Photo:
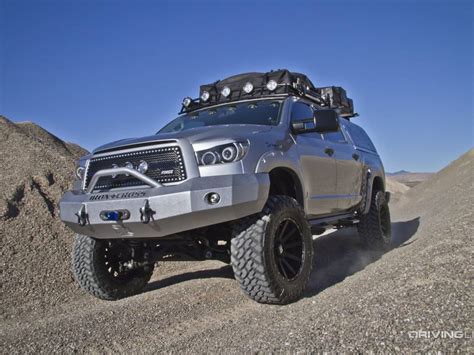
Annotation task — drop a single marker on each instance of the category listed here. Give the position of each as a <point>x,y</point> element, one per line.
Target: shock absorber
<point>140,253</point>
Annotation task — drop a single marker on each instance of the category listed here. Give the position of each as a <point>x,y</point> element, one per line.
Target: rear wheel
<point>375,227</point>
<point>109,269</point>
<point>272,252</point>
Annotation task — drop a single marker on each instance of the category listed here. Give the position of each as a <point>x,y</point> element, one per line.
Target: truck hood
<point>193,135</point>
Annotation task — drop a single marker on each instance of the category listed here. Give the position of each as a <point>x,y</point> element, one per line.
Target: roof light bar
<point>279,82</point>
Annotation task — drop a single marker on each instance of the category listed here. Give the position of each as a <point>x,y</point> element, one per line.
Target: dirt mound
<point>396,189</point>
<point>37,168</point>
<point>408,178</point>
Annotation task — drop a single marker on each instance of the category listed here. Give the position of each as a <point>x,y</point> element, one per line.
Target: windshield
<point>263,112</point>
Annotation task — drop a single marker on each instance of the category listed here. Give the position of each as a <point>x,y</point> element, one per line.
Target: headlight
<point>226,153</point>
<point>80,170</point>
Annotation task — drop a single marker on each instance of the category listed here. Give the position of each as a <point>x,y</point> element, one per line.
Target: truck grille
<point>164,165</point>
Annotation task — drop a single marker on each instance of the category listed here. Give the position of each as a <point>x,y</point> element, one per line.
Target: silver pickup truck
<point>247,174</point>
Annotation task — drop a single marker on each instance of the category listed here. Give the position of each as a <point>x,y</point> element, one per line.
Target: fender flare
<point>370,184</point>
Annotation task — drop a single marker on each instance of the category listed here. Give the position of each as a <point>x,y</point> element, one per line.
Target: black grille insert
<point>164,165</point>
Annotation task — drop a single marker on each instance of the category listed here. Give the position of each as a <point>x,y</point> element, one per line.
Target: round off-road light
<point>205,96</point>
<point>114,166</point>
<point>272,85</point>
<point>209,158</point>
<point>187,101</point>
<point>225,91</point>
<point>229,153</point>
<point>142,167</point>
<point>248,87</point>
<point>129,165</point>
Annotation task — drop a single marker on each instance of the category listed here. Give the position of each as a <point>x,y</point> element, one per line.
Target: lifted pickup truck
<point>246,174</point>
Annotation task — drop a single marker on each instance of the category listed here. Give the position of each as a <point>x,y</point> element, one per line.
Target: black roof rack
<point>274,83</point>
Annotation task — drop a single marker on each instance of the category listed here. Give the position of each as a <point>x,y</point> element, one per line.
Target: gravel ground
<point>357,301</point>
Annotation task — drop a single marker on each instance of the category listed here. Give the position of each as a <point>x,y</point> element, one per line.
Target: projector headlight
<point>226,153</point>
<point>80,171</point>
<point>80,168</point>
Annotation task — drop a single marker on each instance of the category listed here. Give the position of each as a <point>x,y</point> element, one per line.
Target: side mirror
<point>326,121</point>
<point>303,126</point>
<point>323,121</point>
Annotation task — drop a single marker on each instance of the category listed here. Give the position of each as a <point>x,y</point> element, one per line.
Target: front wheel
<point>375,227</point>
<point>272,252</point>
<point>109,269</point>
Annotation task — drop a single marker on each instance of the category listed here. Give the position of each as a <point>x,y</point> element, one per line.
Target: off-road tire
<point>375,227</point>
<point>253,252</point>
<point>91,271</point>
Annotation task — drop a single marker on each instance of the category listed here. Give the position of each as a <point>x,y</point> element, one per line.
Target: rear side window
<point>360,138</point>
<point>301,111</point>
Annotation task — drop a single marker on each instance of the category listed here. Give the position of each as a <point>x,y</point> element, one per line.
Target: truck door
<point>319,167</point>
<point>349,169</point>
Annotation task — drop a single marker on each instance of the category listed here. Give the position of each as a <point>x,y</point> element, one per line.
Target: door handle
<point>355,156</point>
<point>329,151</point>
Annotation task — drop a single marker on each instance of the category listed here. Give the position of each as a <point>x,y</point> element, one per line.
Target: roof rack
<point>274,83</point>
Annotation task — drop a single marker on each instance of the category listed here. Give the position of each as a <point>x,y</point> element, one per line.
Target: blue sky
<point>96,71</point>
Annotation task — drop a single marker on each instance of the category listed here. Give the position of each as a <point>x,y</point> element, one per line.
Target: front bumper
<point>176,208</point>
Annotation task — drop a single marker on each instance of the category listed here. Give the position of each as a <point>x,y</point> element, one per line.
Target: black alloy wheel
<point>288,249</point>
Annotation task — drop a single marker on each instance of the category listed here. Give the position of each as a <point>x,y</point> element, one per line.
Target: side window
<point>301,111</point>
<point>360,138</point>
<point>336,137</point>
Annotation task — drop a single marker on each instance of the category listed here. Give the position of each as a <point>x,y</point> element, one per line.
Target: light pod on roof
<point>205,96</point>
<point>272,85</point>
<point>187,101</point>
<point>225,91</point>
<point>248,87</point>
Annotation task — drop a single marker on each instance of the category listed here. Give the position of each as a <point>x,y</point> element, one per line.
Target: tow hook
<point>82,216</point>
<point>146,213</point>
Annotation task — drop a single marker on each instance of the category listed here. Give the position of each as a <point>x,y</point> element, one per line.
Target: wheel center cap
<point>280,249</point>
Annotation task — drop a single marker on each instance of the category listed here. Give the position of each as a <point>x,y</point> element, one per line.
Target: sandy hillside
<point>36,168</point>
<point>397,189</point>
<point>408,178</point>
<point>356,301</point>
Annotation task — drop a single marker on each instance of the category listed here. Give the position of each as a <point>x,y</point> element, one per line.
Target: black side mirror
<point>323,121</point>
<point>326,121</point>
<point>303,126</point>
